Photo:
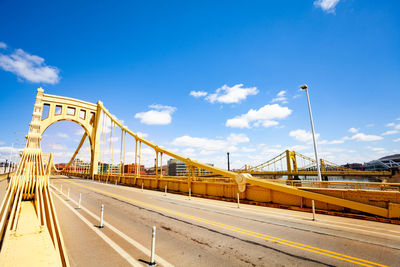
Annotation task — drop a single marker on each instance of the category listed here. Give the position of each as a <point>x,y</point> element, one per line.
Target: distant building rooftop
<point>384,163</point>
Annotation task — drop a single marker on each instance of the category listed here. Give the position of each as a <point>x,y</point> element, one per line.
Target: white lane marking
<point>134,243</point>
<point>112,244</point>
<point>323,226</point>
<point>270,213</point>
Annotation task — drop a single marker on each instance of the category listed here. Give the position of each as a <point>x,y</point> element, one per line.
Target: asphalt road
<point>203,232</point>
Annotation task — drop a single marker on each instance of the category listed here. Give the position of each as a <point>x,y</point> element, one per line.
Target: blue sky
<point>204,77</point>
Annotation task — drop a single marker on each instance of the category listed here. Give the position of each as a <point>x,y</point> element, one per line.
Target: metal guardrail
<point>341,185</point>
<point>349,185</point>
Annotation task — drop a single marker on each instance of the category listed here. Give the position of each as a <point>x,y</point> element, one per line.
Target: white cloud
<point>198,93</point>
<point>144,135</point>
<point>390,132</point>
<point>394,125</point>
<point>396,140</point>
<point>265,116</point>
<point>7,152</point>
<point>201,143</point>
<point>379,150</point>
<point>296,96</point>
<point>370,125</point>
<point>158,115</point>
<point>207,152</point>
<point>3,45</point>
<point>280,97</point>
<point>302,135</point>
<point>62,156</point>
<point>63,135</point>
<point>57,147</point>
<point>353,130</point>
<point>210,146</point>
<point>365,137</point>
<point>30,67</point>
<point>326,5</point>
<point>189,152</point>
<point>80,132</point>
<point>299,147</point>
<point>247,149</point>
<point>230,95</point>
<point>237,138</point>
<point>270,150</point>
<point>334,142</point>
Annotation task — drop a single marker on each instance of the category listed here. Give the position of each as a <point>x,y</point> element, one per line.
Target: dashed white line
<point>134,243</point>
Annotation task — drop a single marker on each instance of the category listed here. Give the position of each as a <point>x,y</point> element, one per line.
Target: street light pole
<point>227,153</point>
<point>304,87</point>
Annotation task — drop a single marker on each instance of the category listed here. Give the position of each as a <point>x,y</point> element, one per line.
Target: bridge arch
<point>57,108</point>
<point>86,134</point>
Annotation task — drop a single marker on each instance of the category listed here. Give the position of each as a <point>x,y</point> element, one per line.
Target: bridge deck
<point>32,239</point>
<point>203,232</point>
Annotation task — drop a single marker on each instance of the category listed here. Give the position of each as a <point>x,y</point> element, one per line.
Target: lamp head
<point>304,87</point>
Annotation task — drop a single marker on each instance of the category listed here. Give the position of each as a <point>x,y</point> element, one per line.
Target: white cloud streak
<point>158,115</point>
<point>280,97</point>
<point>63,135</point>
<point>326,5</point>
<point>302,135</point>
<point>265,116</point>
<point>231,95</point>
<point>198,94</point>
<point>353,130</point>
<point>365,137</point>
<point>390,132</point>
<point>57,147</point>
<point>29,67</point>
<point>209,146</point>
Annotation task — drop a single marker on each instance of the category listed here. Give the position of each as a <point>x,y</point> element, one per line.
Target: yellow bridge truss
<point>293,164</point>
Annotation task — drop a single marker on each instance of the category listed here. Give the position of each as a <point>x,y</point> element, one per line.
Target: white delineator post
<point>80,199</point>
<point>153,246</point>
<point>101,216</point>
<point>142,187</point>
<point>165,192</point>
<point>190,193</point>
<point>313,209</point>
<point>238,200</point>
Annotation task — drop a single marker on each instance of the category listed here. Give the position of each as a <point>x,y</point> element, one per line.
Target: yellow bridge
<point>294,165</point>
<point>29,222</point>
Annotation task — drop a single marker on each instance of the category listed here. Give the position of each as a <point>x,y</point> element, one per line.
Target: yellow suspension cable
<point>136,149</point>
<point>112,148</point>
<point>120,153</point>
<point>123,163</point>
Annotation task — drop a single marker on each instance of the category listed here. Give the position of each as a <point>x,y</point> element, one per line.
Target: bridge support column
<point>95,137</point>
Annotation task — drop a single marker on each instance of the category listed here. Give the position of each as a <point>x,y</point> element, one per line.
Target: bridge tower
<point>291,163</point>
<point>50,109</point>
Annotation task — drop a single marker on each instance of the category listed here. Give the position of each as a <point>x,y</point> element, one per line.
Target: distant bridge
<point>294,165</point>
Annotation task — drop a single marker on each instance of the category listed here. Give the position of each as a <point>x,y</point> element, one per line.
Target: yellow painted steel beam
<point>29,231</point>
<point>76,151</point>
<point>324,173</point>
<point>320,197</point>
